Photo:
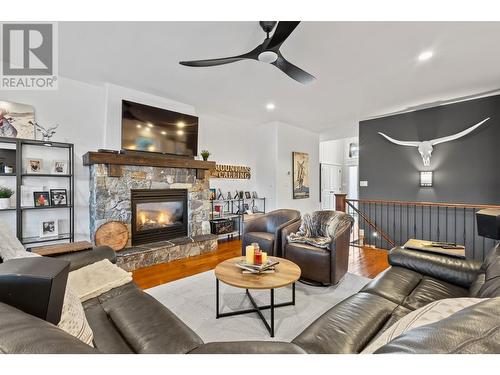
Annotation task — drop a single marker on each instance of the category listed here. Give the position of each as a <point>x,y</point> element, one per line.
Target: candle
<point>264,258</point>
<point>249,254</point>
<point>258,257</point>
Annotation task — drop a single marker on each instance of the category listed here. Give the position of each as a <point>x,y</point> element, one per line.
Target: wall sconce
<point>425,178</point>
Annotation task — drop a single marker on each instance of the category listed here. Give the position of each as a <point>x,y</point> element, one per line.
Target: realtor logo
<point>29,56</point>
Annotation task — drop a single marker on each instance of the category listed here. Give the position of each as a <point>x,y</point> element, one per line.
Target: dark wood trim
<point>340,203</point>
<point>162,161</point>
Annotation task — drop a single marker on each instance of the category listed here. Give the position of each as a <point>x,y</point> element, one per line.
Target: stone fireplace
<point>158,214</point>
<point>167,210</point>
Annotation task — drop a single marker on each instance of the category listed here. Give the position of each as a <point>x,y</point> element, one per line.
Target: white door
<point>352,190</point>
<point>331,184</point>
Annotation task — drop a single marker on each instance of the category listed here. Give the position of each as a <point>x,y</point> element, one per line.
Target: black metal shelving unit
<point>20,175</point>
<point>233,209</point>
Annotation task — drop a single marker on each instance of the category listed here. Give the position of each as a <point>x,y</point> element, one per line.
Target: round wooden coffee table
<point>286,273</point>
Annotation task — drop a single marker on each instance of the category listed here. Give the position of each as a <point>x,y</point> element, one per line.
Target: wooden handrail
<point>434,204</point>
<point>370,223</point>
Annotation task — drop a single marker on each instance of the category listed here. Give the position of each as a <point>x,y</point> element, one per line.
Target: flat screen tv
<point>151,129</point>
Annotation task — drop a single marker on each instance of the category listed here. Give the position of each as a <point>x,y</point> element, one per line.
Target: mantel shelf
<point>162,161</point>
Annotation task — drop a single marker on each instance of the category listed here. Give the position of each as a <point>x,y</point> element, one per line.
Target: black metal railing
<point>385,224</point>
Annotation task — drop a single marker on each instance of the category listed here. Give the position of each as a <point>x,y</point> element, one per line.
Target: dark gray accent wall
<point>466,170</point>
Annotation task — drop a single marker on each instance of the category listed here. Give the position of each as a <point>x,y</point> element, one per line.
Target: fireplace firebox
<point>158,214</point>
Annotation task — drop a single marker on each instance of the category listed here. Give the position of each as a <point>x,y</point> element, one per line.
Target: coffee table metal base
<point>256,308</point>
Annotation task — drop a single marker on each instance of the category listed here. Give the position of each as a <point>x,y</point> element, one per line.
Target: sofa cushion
<point>491,270</point>
<point>431,313</point>
<point>248,347</point>
<point>314,262</point>
<point>394,284</point>
<point>144,324</point>
<point>22,333</point>
<point>473,330</point>
<point>429,290</point>
<point>348,326</point>
<point>264,239</point>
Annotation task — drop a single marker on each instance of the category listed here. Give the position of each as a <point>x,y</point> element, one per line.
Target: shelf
<point>8,209</point>
<point>45,175</point>
<point>7,174</point>
<point>44,207</point>
<point>37,239</point>
<point>237,233</point>
<point>229,216</point>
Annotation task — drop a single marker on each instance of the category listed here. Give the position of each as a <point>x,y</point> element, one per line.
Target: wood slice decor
<point>113,234</point>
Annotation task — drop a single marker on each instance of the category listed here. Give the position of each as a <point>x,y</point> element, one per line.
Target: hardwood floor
<point>366,262</point>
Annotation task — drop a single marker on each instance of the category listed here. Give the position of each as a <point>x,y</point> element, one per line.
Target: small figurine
<point>46,133</point>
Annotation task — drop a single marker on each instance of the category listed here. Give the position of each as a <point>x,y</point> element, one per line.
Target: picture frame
<point>255,195</point>
<point>49,228</point>
<point>212,195</point>
<point>58,197</point>
<point>41,198</point>
<point>248,195</point>
<point>60,167</point>
<point>34,166</point>
<point>300,175</point>
<point>16,120</point>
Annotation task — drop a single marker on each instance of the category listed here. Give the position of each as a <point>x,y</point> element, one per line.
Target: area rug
<point>192,299</point>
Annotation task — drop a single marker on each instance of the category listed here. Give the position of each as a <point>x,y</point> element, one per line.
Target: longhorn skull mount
<point>425,148</point>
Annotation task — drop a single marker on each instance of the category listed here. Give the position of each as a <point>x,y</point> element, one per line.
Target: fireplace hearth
<point>158,214</point>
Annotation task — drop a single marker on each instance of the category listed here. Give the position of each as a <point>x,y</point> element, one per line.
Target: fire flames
<point>153,219</point>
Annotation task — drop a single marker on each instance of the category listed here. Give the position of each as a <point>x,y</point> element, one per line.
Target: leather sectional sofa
<point>127,320</point>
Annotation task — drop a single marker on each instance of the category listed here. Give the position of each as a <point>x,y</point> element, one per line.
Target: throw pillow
<point>428,314</point>
<point>73,319</point>
<point>10,247</point>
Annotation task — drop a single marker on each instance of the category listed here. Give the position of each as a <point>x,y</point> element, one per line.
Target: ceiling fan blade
<point>293,71</point>
<point>212,62</point>
<point>252,55</point>
<point>283,31</point>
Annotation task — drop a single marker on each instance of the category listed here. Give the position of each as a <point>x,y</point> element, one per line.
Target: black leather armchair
<point>318,266</point>
<point>266,230</point>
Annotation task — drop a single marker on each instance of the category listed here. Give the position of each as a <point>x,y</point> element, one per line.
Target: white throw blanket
<point>97,278</point>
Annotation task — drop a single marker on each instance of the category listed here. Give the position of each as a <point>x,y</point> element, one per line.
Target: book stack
<point>268,267</point>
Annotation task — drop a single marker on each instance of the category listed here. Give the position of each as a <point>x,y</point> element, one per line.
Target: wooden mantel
<point>153,160</point>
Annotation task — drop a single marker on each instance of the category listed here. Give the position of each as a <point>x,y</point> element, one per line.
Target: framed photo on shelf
<point>212,194</point>
<point>60,167</point>
<point>248,195</point>
<point>41,198</point>
<point>49,228</point>
<point>34,166</point>
<point>58,197</point>
<point>255,195</point>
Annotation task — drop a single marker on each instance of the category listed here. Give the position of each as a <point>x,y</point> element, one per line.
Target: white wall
<point>229,142</point>
<point>78,108</point>
<point>274,165</point>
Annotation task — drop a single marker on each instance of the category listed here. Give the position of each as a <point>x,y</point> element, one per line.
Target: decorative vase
<point>4,203</point>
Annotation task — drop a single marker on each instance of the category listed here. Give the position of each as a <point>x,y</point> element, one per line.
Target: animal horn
<point>458,135</point>
<point>401,143</point>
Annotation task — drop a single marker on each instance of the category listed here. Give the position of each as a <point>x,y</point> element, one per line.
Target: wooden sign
<point>230,171</point>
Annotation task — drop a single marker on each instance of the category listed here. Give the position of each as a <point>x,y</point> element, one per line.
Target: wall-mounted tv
<point>151,129</point>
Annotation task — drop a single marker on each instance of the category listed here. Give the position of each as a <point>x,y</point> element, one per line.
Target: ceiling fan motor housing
<point>268,26</point>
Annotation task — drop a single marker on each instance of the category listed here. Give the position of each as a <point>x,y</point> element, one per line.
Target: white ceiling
<point>363,69</point>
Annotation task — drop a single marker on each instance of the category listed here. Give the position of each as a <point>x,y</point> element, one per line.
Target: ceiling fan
<point>268,52</point>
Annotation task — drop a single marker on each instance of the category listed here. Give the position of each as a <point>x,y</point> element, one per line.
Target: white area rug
<point>192,299</point>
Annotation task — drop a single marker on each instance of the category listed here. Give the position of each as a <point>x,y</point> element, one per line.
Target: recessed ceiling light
<point>181,124</point>
<point>180,132</point>
<point>270,106</point>
<point>150,125</point>
<point>138,126</point>
<point>147,129</point>
<point>426,55</point>
<point>163,132</point>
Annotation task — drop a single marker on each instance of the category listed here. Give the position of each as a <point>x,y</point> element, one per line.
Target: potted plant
<point>205,154</point>
<point>5,194</point>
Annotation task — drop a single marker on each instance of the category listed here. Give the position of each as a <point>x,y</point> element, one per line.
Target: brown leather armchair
<point>266,230</point>
<point>319,266</point>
